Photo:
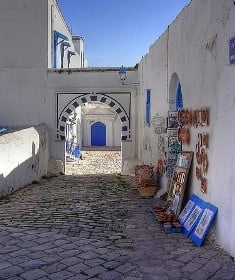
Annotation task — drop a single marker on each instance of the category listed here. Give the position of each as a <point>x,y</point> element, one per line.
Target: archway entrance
<point>98,134</point>
<point>175,94</point>
<point>119,102</point>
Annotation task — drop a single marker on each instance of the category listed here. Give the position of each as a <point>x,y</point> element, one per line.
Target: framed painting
<point>193,218</point>
<point>172,120</point>
<point>204,224</point>
<point>188,208</point>
<point>179,179</point>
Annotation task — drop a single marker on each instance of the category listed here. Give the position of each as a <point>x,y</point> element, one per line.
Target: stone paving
<point>96,227</point>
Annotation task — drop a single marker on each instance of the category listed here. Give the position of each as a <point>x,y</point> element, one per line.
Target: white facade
<point>95,112</point>
<point>196,49</point>
<point>24,158</point>
<point>64,50</point>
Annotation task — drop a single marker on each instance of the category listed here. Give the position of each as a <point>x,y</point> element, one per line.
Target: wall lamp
<point>122,74</point>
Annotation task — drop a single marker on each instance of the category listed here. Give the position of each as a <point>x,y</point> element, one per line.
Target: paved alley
<point>89,225</point>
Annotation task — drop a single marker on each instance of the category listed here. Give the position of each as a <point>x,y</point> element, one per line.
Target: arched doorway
<point>82,99</point>
<point>175,94</point>
<point>98,134</point>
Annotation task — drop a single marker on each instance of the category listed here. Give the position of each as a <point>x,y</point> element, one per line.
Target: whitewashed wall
<point>113,132</point>
<point>57,22</point>
<point>94,80</point>
<point>195,47</point>
<point>98,112</point>
<point>24,158</point>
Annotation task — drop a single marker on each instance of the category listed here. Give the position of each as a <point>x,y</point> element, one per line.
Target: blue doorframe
<point>98,134</point>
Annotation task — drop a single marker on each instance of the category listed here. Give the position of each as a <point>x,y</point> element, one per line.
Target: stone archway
<point>91,97</point>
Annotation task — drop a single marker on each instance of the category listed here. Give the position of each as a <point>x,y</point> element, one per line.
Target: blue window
<point>148,105</point>
<point>179,97</point>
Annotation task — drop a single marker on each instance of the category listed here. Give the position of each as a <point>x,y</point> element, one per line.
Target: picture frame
<point>178,182</point>
<point>172,119</point>
<point>188,208</point>
<point>195,215</point>
<point>204,224</point>
<point>172,132</point>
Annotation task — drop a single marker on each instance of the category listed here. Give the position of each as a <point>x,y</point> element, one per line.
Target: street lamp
<point>122,74</point>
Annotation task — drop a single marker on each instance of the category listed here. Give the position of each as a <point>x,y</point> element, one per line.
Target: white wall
<point>24,158</point>
<point>23,26</point>
<point>96,112</point>
<point>57,22</point>
<point>196,48</point>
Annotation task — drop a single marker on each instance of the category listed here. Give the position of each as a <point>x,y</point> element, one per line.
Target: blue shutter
<point>148,106</point>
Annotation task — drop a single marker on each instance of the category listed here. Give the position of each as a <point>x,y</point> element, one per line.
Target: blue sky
<point>119,32</point>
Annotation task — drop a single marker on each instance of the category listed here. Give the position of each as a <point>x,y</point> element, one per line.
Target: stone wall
<point>24,157</point>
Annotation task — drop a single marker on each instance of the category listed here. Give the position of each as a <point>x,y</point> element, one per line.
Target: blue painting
<point>232,50</point>
<point>204,224</point>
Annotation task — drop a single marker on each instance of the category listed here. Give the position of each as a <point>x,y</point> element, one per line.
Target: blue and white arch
<point>91,97</point>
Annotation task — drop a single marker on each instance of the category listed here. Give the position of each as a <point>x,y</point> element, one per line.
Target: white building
<point>100,125</point>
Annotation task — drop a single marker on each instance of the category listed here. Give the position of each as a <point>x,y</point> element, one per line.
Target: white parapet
<point>24,157</point>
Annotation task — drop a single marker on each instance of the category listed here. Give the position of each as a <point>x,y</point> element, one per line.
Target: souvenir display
<point>160,167</point>
<point>181,117</point>
<point>198,173</point>
<point>203,185</point>
<point>184,134</point>
<point>202,159</point>
<point>144,175</point>
<point>182,161</point>
<point>188,117</point>
<point>172,120</point>
<point>161,143</point>
<point>179,179</point>
<point>204,224</point>
<point>188,208</point>
<point>195,118</point>
<point>205,140</point>
<point>172,132</point>
<point>158,124</point>
<point>170,165</point>
<point>174,146</point>
<point>204,121</point>
<point>194,217</point>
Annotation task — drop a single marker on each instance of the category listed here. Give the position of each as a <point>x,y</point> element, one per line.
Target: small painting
<point>194,217</point>
<point>188,208</point>
<point>172,121</point>
<point>204,224</point>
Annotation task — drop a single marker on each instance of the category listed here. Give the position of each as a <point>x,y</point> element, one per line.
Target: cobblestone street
<point>92,224</point>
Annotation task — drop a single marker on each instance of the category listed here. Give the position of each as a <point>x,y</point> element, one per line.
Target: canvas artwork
<point>194,217</point>
<point>182,161</point>
<point>175,203</point>
<point>188,208</point>
<point>172,121</point>
<point>174,145</point>
<point>158,123</point>
<point>204,224</point>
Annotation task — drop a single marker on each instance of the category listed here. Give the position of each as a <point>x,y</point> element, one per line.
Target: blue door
<point>98,134</point>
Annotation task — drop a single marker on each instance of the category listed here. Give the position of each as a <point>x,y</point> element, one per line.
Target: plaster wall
<point>57,22</point>
<point>195,47</point>
<point>113,131</point>
<point>70,83</point>
<point>19,21</point>
<point>24,158</point>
